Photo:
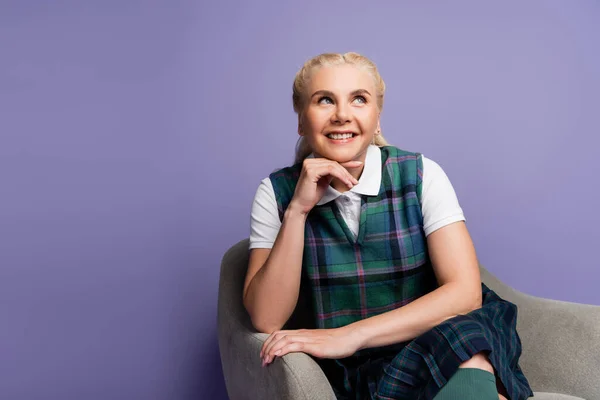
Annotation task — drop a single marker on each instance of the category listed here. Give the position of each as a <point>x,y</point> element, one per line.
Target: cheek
<point>316,120</point>
<point>368,119</point>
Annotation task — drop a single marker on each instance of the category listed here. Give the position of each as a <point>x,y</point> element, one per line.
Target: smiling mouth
<point>341,136</point>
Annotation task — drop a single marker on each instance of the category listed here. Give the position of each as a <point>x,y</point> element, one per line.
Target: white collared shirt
<point>439,203</point>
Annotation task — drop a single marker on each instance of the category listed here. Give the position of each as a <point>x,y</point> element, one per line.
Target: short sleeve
<point>439,203</point>
<point>264,220</point>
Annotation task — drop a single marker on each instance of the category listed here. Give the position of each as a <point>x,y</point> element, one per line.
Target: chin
<point>341,155</point>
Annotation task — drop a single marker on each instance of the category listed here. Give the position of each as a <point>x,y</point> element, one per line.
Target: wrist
<point>295,211</point>
<point>357,335</point>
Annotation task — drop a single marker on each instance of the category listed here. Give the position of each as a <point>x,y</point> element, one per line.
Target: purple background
<point>133,136</point>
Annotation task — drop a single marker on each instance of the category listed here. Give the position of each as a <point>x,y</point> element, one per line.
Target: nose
<point>341,114</point>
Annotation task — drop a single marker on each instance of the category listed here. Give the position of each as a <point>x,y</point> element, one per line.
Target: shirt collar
<point>369,181</point>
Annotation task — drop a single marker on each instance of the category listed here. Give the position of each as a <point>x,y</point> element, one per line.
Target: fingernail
<point>278,352</point>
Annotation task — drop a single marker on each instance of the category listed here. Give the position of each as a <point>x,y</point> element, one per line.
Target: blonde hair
<point>325,60</point>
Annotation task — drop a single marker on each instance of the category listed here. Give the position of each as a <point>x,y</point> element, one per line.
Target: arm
<point>457,272</point>
<point>456,268</point>
<point>273,276</point>
<point>455,265</point>
<point>296,376</point>
<point>272,282</point>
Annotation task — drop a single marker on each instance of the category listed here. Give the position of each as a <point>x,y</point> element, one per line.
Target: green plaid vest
<point>386,267</point>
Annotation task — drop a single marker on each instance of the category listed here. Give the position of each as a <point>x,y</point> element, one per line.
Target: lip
<point>341,141</point>
<point>352,132</point>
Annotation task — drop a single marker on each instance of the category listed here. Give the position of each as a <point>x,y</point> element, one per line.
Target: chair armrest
<point>561,346</point>
<point>293,376</point>
<point>560,341</point>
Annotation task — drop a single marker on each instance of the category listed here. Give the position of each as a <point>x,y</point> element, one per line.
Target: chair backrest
<point>231,313</point>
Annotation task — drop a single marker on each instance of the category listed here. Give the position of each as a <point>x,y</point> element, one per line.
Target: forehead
<point>341,78</point>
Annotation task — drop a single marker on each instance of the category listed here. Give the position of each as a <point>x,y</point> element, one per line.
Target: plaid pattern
<point>385,267</point>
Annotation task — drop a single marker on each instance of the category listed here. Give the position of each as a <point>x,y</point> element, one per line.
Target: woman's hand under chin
<point>320,343</point>
<point>315,177</point>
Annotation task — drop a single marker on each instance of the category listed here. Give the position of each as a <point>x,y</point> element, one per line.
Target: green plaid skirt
<point>417,370</point>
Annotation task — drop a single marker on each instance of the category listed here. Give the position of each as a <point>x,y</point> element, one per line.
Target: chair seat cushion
<point>553,396</point>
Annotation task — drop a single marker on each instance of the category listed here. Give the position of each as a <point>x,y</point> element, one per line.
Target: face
<point>340,115</point>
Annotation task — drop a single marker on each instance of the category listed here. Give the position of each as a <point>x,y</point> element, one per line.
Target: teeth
<point>339,136</point>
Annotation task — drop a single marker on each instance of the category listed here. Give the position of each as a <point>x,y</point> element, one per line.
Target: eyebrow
<point>328,93</point>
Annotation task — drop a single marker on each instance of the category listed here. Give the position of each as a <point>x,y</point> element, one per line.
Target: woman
<point>376,237</point>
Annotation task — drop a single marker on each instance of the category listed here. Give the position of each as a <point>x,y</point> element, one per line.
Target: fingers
<point>273,337</point>
<point>320,168</point>
<point>316,176</point>
<point>286,344</point>
<point>341,173</point>
<point>293,347</point>
<point>267,342</point>
<point>265,354</point>
<point>270,343</point>
<point>279,339</point>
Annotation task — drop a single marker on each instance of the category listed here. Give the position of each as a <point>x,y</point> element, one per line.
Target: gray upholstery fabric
<point>295,376</point>
<point>560,340</point>
<point>553,396</point>
<point>561,345</point>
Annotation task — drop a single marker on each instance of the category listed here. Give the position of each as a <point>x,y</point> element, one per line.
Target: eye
<point>362,98</point>
<point>323,98</point>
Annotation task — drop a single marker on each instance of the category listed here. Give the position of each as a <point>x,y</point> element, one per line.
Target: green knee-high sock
<point>469,384</point>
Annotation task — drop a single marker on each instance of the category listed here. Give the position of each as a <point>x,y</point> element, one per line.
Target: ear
<point>378,131</point>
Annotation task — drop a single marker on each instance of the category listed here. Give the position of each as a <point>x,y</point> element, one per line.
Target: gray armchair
<point>561,345</point>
